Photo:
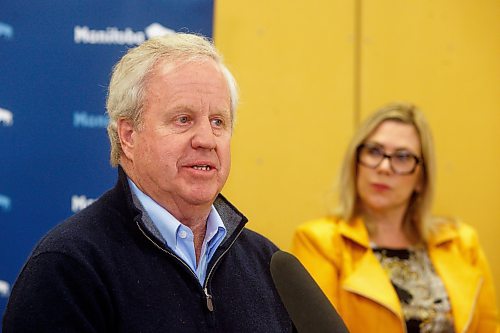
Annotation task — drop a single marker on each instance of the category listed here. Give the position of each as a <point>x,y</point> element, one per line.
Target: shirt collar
<point>168,225</point>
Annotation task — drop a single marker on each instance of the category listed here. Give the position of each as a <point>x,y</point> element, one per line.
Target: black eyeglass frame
<point>417,159</point>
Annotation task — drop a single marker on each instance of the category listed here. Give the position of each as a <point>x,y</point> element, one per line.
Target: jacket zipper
<point>210,304</point>
<point>208,297</point>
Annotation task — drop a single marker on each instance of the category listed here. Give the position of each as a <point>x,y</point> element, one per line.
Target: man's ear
<point>126,131</point>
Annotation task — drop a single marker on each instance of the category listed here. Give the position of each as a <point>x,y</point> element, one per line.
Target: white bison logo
<point>4,288</point>
<point>6,117</point>
<point>6,31</point>
<point>157,30</point>
<point>4,203</point>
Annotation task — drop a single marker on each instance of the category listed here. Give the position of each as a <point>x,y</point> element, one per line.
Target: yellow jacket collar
<point>368,278</point>
<point>355,231</point>
<point>443,234</point>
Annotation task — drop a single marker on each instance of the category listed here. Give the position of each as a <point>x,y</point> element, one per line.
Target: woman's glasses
<point>402,162</point>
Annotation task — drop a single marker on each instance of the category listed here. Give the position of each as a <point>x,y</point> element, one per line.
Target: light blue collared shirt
<point>179,237</point>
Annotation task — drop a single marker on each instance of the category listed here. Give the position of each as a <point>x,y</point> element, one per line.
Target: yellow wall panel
<point>294,63</point>
<point>445,57</point>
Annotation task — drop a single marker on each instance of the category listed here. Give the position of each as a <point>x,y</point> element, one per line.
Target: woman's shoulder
<point>322,226</point>
<point>328,231</point>
<point>453,228</point>
<point>318,238</point>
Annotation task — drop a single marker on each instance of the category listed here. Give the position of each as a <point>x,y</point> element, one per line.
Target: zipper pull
<point>210,304</point>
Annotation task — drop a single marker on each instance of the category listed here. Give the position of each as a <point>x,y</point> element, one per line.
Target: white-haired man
<point>162,251</point>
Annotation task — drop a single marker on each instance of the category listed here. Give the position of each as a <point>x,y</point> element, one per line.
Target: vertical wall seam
<point>357,63</point>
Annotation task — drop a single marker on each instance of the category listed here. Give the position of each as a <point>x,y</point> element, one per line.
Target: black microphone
<point>307,305</point>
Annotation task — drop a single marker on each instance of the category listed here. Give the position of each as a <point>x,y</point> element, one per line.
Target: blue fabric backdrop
<point>55,63</point>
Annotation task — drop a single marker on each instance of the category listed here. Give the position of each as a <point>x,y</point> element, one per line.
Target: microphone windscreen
<point>307,305</point>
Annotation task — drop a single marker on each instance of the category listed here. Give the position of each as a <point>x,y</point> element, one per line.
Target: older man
<point>162,251</point>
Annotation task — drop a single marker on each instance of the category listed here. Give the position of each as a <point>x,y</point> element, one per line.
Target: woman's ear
<point>420,184</point>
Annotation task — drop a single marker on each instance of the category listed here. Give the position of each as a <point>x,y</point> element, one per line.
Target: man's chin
<point>202,198</point>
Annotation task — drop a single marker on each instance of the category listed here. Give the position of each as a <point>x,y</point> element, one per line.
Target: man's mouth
<point>202,167</point>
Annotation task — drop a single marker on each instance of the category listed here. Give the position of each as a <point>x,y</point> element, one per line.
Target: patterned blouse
<point>423,297</point>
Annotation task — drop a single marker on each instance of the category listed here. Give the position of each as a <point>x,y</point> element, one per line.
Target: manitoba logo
<point>6,31</point>
<point>116,36</point>
<point>5,203</point>
<point>6,117</point>
<point>88,120</point>
<point>112,35</point>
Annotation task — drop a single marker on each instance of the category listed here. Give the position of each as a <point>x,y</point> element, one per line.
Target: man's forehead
<point>165,65</point>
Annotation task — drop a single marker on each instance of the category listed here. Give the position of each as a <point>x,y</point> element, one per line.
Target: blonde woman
<point>382,260</point>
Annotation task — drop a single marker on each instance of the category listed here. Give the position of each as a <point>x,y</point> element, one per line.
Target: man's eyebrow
<point>224,111</point>
<point>181,108</point>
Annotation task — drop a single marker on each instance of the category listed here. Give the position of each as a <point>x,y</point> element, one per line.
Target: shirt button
<point>182,234</point>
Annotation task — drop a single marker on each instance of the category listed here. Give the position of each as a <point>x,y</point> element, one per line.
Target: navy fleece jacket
<point>107,269</point>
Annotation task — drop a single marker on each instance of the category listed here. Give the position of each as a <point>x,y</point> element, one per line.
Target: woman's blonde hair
<point>418,215</point>
<point>126,90</point>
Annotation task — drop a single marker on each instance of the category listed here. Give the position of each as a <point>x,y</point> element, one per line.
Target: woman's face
<point>380,189</point>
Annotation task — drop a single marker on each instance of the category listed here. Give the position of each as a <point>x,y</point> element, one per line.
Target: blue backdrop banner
<point>55,63</point>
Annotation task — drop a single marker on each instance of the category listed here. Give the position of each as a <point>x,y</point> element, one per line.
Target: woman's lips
<point>379,187</point>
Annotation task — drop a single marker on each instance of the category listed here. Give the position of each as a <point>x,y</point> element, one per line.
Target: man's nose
<point>204,136</point>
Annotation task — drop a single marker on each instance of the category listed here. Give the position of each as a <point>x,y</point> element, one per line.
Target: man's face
<point>181,151</point>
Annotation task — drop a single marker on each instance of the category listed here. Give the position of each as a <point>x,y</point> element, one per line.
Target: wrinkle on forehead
<point>191,87</point>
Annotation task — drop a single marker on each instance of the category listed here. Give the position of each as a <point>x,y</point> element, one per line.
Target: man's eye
<point>183,119</point>
<point>217,122</point>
